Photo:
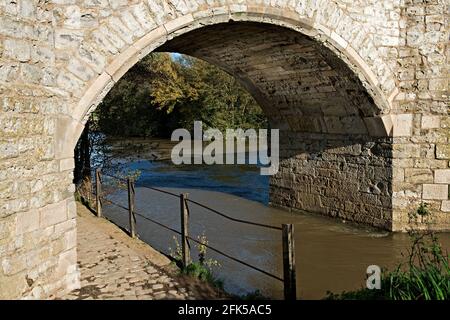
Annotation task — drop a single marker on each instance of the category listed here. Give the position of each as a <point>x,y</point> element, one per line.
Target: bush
<point>203,273</point>
<point>203,268</point>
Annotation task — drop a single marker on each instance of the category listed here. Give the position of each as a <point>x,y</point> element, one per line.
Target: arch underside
<point>330,164</point>
<point>300,84</point>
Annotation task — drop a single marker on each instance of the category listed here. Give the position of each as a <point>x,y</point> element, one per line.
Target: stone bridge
<point>358,89</point>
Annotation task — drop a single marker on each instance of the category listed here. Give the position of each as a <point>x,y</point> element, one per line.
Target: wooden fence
<point>287,230</point>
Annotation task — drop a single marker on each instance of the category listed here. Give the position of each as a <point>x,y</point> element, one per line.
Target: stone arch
<point>105,53</point>
<point>357,127</point>
<point>59,58</point>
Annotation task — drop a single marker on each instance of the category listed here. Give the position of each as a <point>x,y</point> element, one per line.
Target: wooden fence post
<point>131,196</point>
<point>98,191</point>
<point>185,251</point>
<point>290,287</point>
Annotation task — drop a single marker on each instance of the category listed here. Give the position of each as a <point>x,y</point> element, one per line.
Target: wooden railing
<point>287,230</point>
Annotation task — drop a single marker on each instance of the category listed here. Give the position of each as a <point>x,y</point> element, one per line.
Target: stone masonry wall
<point>37,210</point>
<point>421,159</point>
<point>58,59</point>
<point>342,176</point>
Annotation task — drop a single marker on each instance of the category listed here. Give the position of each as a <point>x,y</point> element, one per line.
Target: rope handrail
<point>115,177</point>
<point>147,187</point>
<point>203,206</point>
<point>163,191</point>
<point>236,259</point>
<point>233,219</point>
<point>198,242</point>
<point>287,230</point>
<point>142,216</point>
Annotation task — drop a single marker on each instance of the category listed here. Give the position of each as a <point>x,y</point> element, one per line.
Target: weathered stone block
<point>14,264</point>
<point>66,261</point>
<point>17,49</point>
<point>71,210</point>
<point>53,214</point>
<point>79,69</point>
<point>67,38</point>
<point>443,151</point>
<point>27,9</point>
<point>111,38</point>
<point>438,85</point>
<point>70,239</point>
<point>445,206</point>
<point>67,130</point>
<point>143,16</point>
<point>398,174</point>
<point>442,176</point>
<point>27,221</point>
<point>430,122</point>
<point>6,231</point>
<point>406,151</point>
<point>117,25</point>
<point>435,192</point>
<point>418,176</point>
<point>64,226</point>
<point>92,57</point>
<point>180,22</point>
<point>66,164</point>
<point>34,74</point>
<point>69,82</point>
<point>117,3</point>
<point>402,125</point>
<point>12,286</point>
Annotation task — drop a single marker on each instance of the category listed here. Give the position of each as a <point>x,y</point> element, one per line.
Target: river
<point>330,255</point>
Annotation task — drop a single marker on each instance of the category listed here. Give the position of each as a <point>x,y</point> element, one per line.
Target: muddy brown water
<point>330,255</point>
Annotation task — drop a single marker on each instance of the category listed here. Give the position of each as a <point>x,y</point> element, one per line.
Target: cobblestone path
<point>114,266</point>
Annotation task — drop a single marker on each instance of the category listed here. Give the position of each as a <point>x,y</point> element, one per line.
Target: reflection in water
<point>330,255</point>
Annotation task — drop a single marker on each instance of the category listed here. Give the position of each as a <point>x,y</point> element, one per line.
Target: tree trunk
<point>82,171</point>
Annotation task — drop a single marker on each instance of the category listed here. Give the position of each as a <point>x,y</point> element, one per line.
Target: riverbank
<point>132,149</point>
<point>115,266</point>
<point>331,255</point>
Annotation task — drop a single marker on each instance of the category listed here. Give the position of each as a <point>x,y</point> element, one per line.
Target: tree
<point>161,93</point>
<point>82,171</point>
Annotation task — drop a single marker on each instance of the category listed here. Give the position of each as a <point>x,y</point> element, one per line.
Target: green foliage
<point>425,276</point>
<point>129,110</point>
<point>81,199</point>
<point>422,210</point>
<point>203,273</point>
<point>202,248</point>
<point>124,175</point>
<point>203,268</point>
<point>421,215</point>
<point>362,294</point>
<point>161,93</point>
<point>176,253</point>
